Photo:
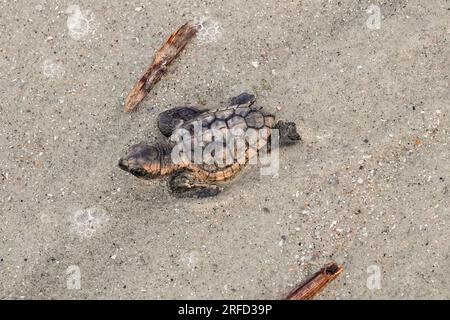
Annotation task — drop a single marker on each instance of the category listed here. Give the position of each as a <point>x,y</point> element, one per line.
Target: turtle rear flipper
<point>171,119</point>
<point>186,185</point>
<point>287,132</point>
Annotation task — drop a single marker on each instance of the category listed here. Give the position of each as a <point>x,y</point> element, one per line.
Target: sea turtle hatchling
<point>209,159</point>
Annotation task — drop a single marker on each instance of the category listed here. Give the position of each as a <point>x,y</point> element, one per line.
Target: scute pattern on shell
<point>255,120</point>
<point>232,120</point>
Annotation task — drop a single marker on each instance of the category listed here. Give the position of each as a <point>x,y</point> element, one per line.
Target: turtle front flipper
<point>243,98</point>
<point>171,119</point>
<point>186,185</point>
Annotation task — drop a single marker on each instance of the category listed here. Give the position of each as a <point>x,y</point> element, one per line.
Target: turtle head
<point>143,161</point>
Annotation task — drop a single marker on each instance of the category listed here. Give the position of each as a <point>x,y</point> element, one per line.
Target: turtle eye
<point>138,172</point>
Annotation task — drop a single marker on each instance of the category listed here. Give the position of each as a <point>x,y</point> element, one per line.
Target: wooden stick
<point>311,287</point>
<point>162,59</point>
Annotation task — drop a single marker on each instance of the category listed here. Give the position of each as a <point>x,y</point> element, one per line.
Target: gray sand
<point>368,187</point>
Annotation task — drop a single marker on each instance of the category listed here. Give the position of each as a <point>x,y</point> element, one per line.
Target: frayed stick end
<point>311,287</point>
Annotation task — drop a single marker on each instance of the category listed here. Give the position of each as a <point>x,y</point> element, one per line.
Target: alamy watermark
<point>73,280</point>
<point>374,278</point>
<point>79,23</point>
<point>374,20</point>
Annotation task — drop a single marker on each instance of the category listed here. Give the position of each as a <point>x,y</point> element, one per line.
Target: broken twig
<point>311,287</point>
<point>165,55</point>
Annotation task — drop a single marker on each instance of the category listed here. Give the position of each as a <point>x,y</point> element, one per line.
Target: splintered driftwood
<point>311,287</point>
<point>165,55</point>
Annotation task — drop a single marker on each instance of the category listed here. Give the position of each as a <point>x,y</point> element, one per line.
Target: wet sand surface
<point>368,186</point>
